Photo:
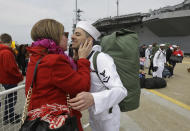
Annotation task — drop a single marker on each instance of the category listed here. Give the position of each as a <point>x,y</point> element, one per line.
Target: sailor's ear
<point>90,38</point>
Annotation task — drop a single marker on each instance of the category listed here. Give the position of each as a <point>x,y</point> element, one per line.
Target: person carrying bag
<point>52,117</point>
<point>57,76</point>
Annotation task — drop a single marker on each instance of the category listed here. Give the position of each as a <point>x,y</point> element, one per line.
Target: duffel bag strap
<point>95,67</point>
<point>96,70</point>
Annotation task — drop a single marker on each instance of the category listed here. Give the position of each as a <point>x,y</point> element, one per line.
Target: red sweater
<point>55,78</point>
<point>9,71</point>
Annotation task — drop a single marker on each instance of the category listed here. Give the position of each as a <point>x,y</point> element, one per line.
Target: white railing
<point>12,101</point>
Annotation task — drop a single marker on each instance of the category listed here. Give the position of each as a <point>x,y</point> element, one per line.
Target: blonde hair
<point>49,29</point>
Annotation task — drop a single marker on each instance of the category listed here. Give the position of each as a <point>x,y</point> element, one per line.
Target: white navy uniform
<point>159,60</point>
<point>104,99</point>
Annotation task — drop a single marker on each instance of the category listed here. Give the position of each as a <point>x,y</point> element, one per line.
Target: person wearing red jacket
<point>57,74</point>
<point>178,52</point>
<point>9,78</point>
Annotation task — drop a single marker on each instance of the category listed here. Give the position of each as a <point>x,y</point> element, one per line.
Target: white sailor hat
<point>171,48</point>
<point>86,26</point>
<point>162,44</point>
<point>174,46</point>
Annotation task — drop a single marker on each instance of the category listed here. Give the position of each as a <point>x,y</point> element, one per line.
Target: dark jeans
<point>22,66</point>
<point>173,64</point>
<point>10,102</point>
<point>150,67</point>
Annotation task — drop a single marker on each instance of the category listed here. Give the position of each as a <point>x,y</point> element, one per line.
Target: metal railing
<point>11,107</point>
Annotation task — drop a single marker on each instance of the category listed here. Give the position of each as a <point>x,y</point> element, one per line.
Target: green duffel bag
<point>122,46</point>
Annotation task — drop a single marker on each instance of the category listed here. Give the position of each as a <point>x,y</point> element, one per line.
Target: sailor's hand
<point>82,101</point>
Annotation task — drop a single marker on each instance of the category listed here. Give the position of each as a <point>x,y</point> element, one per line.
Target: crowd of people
<point>160,59</point>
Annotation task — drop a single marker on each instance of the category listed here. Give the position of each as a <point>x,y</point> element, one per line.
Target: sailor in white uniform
<point>158,61</point>
<point>105,94</point>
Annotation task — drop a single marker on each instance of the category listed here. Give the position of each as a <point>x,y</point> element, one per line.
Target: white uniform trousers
<point>147,62</point>
<point>158,73</point>
<point>111,124</point>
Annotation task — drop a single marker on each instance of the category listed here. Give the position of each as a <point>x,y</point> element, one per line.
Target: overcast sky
<point>18,16</point>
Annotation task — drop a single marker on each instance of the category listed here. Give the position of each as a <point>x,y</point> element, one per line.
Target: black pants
<point>23,67</point>
<point>151,67</point>
<point>10,102</point>
<point>173,64</point>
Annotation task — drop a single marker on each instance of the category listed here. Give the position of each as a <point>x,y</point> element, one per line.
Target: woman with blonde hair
<point>57,74</point>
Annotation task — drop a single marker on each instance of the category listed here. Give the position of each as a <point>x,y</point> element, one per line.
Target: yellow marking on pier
<point>170,99</point>
<point>186,62</point>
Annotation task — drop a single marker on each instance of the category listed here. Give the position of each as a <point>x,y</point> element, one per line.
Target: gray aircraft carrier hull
<point>166,25</point>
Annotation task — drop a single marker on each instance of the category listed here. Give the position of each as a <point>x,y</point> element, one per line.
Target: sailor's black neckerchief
<point>163,52</point>
<point>88,57</point>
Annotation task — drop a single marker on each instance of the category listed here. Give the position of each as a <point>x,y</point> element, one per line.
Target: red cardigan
<point>55,78</point>
<point>9,71</point>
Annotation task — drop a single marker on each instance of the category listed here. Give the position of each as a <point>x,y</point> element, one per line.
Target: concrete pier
<point>166,109</point>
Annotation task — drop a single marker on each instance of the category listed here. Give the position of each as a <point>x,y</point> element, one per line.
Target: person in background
<point>154,50</point>
<point>148,52</point>
<point>178,51</point>
<point>21,58</point>
<point>9,78</point>
<point>173,63</point>
<point>169,52</point>
<point>159,61</point>
<point>142,50</point>
<point>57,74</point>
<point>106,92</point>
<point>142,62</point>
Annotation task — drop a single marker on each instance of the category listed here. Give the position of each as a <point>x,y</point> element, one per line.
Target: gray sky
<point>18,16</point>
